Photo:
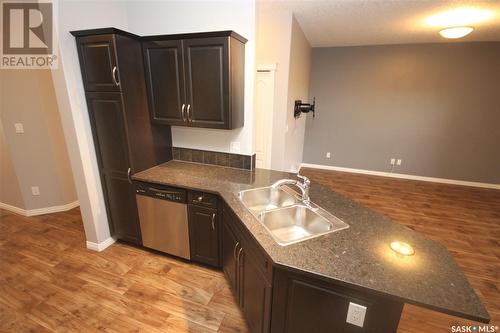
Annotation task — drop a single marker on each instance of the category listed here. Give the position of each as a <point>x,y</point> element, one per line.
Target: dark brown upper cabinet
<point>99,64</point>
<point>206,64</point>
<point>125,140</point>
<point>165,81</point>
<point>196,80</point>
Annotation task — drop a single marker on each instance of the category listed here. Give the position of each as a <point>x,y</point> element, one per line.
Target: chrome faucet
<point>303,186</point>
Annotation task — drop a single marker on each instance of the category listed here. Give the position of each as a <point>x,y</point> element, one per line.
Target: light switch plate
<point>356,314</point>
<point>19,128</point>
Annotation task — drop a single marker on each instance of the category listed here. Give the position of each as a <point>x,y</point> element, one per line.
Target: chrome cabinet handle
<point>128,176</point>
<point>234,250</point>
<point>189,114</point>
<point>183,113</point>
<point>213,221</point>
<point>200,198</point>
<point>115,70</point>
<point>239,255</point>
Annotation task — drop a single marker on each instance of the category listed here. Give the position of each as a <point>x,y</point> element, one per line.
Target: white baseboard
<point>402,176</point>
<point>39,211</point>
<point>13,209</point>
<point>100,246</point>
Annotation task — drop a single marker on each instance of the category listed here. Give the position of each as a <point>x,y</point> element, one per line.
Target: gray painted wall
<point>435,106</point>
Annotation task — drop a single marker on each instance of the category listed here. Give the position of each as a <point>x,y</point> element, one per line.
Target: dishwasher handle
<point>161,192</point>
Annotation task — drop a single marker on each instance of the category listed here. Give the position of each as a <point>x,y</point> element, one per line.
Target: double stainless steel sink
<point>287,218</point>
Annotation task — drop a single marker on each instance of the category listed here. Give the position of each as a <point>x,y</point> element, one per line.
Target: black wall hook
<point>303,108</point>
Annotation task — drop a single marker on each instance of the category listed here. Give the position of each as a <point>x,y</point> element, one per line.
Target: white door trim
<point>264,113</point>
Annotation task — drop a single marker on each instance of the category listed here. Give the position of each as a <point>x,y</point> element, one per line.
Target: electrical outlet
<point>328,155</point>
<point>356,314</point>
<point>393,161</point>
<point>235,147</point>
<point>35,190</point>
<point>19,128</point>
<point>399,161</point>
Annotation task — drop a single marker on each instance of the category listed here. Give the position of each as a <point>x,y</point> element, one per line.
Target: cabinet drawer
<point>202,199</point>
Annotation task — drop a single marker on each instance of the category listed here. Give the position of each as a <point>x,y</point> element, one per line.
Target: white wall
<point>170,17</point>
<point>298,88</point>
<point>10,191</point>
<point>274,25</point>
<point>280,41</point>
<point>75,15</point>
<point>38,156</point>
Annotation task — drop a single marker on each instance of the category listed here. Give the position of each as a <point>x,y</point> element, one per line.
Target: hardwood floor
<point>464,219</point>
<point>49,281</point>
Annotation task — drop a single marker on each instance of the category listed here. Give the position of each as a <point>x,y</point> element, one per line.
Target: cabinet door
<point>255,295</point>
<point>206,64</point>
<point>98,63</point>
<point>305,304</point>
<point>203,235</point>
<point>122,208</point>
<point>230,245</point>
<point>165,81</point>
<point>110,141</point>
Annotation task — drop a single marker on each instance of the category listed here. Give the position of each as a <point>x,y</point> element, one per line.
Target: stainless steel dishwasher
<point>163,218</point>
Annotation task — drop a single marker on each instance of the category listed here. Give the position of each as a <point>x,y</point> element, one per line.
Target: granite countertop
<point>359,256</point>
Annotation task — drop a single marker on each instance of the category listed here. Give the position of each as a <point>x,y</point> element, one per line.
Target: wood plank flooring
<point>464,219</point>
<point>49,281</point>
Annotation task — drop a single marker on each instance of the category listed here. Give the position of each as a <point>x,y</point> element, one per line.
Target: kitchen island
<point>315,278</point>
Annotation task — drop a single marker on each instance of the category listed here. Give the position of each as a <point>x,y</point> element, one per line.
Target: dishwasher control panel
<point>161,192</point>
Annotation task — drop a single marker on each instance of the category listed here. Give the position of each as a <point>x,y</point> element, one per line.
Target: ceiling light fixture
<point>402,248</point>
<point>456,32</point>
<point>459,17</point>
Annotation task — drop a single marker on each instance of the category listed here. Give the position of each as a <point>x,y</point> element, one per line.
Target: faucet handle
<point>304,179</point>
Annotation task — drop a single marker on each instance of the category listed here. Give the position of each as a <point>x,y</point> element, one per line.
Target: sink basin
<point>266,198</point>
<point>299,222</point>
<point>286,217</point>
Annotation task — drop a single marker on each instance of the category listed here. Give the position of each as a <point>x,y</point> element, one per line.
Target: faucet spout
<point>282,182</point>
<point>303,186</point>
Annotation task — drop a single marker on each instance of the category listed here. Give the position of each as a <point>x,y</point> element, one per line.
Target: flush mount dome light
<point>402,248</point>
<point>456,32</point>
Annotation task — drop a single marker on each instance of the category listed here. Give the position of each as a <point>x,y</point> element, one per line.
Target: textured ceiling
<point>372,22</point>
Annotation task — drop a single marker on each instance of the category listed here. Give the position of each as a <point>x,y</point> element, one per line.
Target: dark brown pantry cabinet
<point>125,141</point>
<point>196,79</point>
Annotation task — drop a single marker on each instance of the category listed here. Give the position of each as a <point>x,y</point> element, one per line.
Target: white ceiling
<point>372,22</point>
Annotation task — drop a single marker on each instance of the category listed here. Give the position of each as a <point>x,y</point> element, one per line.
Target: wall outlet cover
<point>356,314</point>
<point>393,161</point>
<point>35,190</point>
<point>328,155</point>
<point>399,161</point>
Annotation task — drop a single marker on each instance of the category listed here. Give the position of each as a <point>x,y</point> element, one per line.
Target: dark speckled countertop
<point>359,256</point>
